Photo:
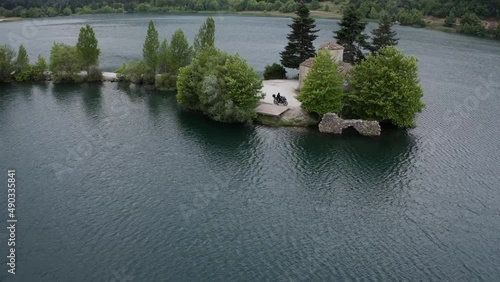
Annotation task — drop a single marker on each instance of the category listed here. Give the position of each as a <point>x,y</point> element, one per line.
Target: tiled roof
<point>331,46</point>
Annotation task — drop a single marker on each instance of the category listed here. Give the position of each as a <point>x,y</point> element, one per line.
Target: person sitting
<point>278,97</point>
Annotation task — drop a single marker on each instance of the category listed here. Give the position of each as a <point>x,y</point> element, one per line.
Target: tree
<point>150,49</point>
<point>22,60</point>
<point>87,49</point>
<point>162,57</point>
<point>386,88</point>
<point>315,5</point>
<point>383,35</point>
<point>67,11</point>
<point>205,36</point>
<point>39,69</point>
<point>222,86</point>
<point>450,20</point>
<point>322,91</point>
<point>351,36</point>
<point>64,63</point>
<point>7,63</point>
<point>274,71</point>
<point>300,41</point>
<point>179,54</point>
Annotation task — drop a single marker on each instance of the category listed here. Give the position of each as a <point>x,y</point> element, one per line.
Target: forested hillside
<point>485,9</point>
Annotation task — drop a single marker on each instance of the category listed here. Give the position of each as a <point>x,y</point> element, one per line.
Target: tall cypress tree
<point>151,47</point>
<point>86,47</point>
<point>383,36</point>
<point>351,36</point>
<point>300,41</point>
<point>205,36</point>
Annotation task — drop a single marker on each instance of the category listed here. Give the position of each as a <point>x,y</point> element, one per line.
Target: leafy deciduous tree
<point>322,91</point>
<point>222,86</point>
<point>386,88</point>
<point>64,63</point>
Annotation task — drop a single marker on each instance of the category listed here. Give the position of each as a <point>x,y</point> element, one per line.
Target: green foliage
<point>94,74</point>
<point>471,24</point>
<point>412,17</point>
<point>179,54</point>
<point>38,69</point>
<point>67,11</point>
<point>64,63</point>
<point>374,14</point>
<point>220,85</point>
<point>22,60</point>
<point>166,81</point>
<point>450,20</point>
<point>24,75</point>
<point>315,5</point>
<point>383,35</point>
<point>351,36</point>
<point>497,32</point>
<point>135,71</point>
<point>150,49</point>
<point>274,71</point>
<point>162,57</point>
<point>300,41</point>
<point>322,91</point>
<point>205,36</point>
<point>32,73</point>
<point>86,47</point>
<point>386,88</point>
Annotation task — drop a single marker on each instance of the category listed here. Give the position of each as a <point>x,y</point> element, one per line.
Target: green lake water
<point>118,183</point>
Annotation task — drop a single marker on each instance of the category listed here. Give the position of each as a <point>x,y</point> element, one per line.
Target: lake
<point>118,183</point>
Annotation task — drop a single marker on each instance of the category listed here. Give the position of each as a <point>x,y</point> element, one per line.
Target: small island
<point>349,82</point>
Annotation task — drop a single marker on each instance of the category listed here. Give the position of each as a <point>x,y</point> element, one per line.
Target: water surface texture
<point>118,183</point>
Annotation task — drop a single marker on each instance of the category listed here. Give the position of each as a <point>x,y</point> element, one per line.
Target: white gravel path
<point>286,87</point>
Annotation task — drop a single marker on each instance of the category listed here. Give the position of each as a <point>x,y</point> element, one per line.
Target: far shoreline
<point>432,23</point>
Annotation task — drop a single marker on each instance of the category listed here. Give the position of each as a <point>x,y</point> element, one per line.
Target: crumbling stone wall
<point>332,123</point>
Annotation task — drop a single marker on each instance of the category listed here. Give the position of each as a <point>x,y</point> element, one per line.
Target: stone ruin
<point>332,123</point>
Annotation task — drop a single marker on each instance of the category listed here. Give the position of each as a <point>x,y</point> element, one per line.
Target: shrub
<point>25,74</point>
<point>94,74</point>
<point>450,20</point>
<point>64,63</point>
<point>274,71</point>
<point>39,68</point>
<point>386,88</point>
<point>166,81</point>
<point>322,90</point>
<point>135,72</point>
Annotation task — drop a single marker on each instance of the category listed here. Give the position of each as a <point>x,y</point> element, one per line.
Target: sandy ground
<point>285,87</point>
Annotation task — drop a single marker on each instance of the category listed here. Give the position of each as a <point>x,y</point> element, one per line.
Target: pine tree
<point>300,41</point>
<point>86,47</point>
<point>383,35</point>
<point>351,36</point>
<point>22,60</point>
<point>450,20</point>
<point>205,36</point>
<point>150,49</point>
